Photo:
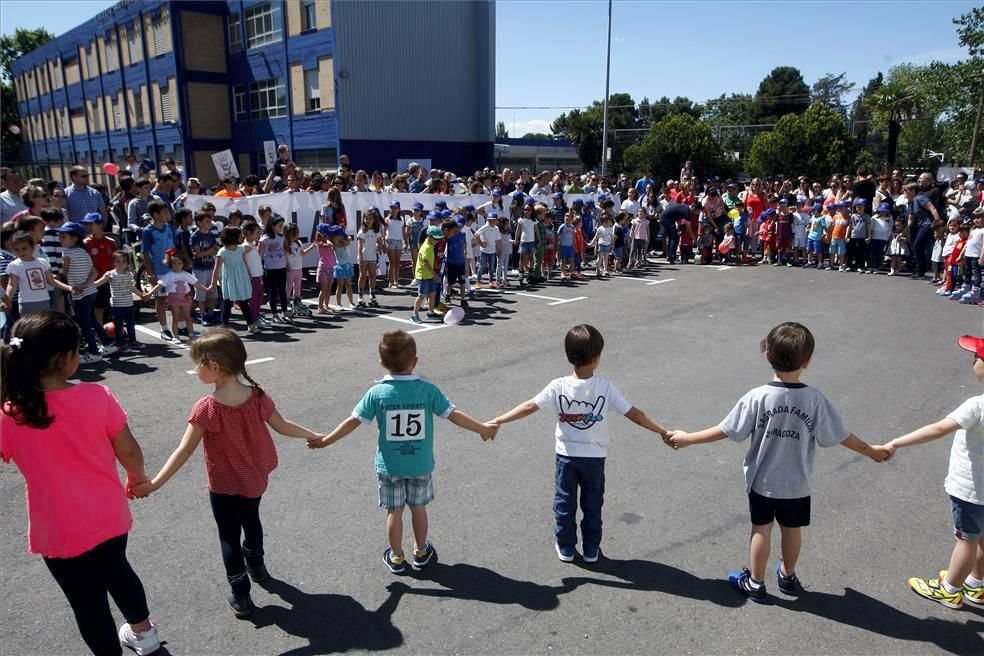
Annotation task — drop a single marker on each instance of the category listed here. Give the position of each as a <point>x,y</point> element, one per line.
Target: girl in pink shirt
<point>65,439</point>
<point>239,456</point>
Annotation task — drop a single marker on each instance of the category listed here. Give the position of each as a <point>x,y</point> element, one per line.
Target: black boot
<point>254,565</point>
<point>239,599</point>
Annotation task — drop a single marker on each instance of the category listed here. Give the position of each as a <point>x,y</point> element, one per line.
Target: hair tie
<point>170,252</point>
<point>16,342</point>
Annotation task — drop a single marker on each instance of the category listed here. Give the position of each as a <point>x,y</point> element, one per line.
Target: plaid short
<point>397,491</point>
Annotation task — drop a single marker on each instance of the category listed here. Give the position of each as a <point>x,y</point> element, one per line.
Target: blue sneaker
<point>416,319</point>
<point>789,585</point>
<point>742,582</point>
<point>566,554</point>
<point>590,554</point>
<point>396,564</point>
<point>423,557</point>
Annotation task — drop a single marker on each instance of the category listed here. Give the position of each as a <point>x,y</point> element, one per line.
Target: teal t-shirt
<point>817,226</point>
<point>404,409</point>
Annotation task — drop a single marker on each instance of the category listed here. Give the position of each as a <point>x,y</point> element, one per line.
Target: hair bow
<point>15,342</point>
<point>171,252</point>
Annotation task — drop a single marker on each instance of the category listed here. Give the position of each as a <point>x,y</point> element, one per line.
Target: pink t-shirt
<point>75,499</point>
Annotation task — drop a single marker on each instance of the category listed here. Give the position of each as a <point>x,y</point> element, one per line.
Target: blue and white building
<point>382,81</point>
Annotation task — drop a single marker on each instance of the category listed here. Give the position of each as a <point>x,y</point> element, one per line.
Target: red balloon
<point>110,329</point>
<point>110,168</point>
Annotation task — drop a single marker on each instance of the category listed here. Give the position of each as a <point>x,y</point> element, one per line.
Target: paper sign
<point>225,164</point>
<point>270,151</point>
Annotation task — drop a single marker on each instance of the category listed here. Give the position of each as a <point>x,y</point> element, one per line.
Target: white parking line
<point>660,282</point>
<point>725,268</point>
<point>568,300</point>
<point>539,296</point>
<point>157,335</point>
<point>256,361</point>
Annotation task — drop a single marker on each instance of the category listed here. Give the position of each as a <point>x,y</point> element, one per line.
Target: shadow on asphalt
<point>330,623</point>
<point>867,613</point>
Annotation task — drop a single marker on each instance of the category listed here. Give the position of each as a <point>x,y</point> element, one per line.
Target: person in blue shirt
<point>740,224</point>
<point>644,182</point>
<point>204,246</point>
<point>565,234</point>
<point>454,261</point>
<point>155,240</point>
<point>403,406</point>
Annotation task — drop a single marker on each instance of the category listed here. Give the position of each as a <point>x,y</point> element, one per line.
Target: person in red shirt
<point>755,202</point>
<point>100,248</point>
<point>229,189</point>
<point>579,246</point>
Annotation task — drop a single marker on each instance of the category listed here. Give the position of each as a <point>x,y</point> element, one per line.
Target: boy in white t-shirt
<point>583,403</point>
<point>786,420</point>
<point>964,579</point>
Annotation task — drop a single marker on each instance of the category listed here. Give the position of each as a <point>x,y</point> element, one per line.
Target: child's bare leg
<point>978,572</point>
<point>348,291</point>
<point>419,516</point>
<point>759,550</point>
<point>962,561</point>
<point>394,530</point>
<point>792,542</point>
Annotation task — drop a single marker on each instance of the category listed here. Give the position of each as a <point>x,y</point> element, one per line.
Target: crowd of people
<point>75,248</point>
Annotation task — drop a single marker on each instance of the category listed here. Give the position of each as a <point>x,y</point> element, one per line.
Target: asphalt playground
<point>682,344</point>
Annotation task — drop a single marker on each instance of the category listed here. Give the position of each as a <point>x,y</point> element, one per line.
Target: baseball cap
<point>460,220</point>
<point>817,207</point>
<point>497,192</point>
<point>860,201</point>
<point>418,206</point>
<point>530,200</point>
<point>731,185</point>
<point>884,207</point>
<point>444,214</point>
<point>394,203</point>
<point>972,344</point>
<point>435,232</point>
<point>276,219</point>
<point>325,229</point>
<point>72,228</point>
<point>784,201</point>
<point>92,217</point>
<point>468,208</point>
<point>493,216</point>
<point>558,196</point>
<point>844,203</point>
<point>589,203</point>
<point>432,216</point>
<point>441,203</point>
<point>578,201</point>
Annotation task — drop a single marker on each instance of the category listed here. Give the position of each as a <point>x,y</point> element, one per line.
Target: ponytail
<point>39,343</point>
<point>255,385</point>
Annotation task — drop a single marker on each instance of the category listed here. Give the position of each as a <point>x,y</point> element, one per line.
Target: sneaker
<point>397,564</point>
<point>242,606</point>
<point>360,304</point>
<point>145,642</point>
<point>90,358</point>
<point>742,581</point>
<point>892,272</point>
<point>590,554</point>
<point>933,590</point>
<point>566,554</point>
<point>183,332</point>
<point>136,346</point>
<point>434,315</point>
<point>415,318</point>
<point>827,268</point>
<point>464,305</point>
<point>253,328</point>
<point>471,295</point>
<point>423,556</point>
<point>196,333</point>
<point>973,596</point>
<point>373,302</point>
<point>285,318</point>
<point>843,268</point>
<point>257,572</point>
<point>262,321</point>
<point>109,349</point>
<point>167,336</point>
<point>441,309</point>
<point>789,585</point>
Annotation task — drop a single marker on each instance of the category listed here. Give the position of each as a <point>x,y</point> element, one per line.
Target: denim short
<point>604,248</point>
<point>527,248</point>
<point>395,492</point>
<point>566,252</point>
<point>426,287</point>
<point>394,244</point>
<point>968,519</point>
<point>619,251</point>
<point>838,247</point>
<point>814,246</point>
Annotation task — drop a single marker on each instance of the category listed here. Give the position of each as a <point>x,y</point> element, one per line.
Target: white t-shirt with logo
<point>582,407</point>
<point>527,229</point>
<point>975,243</point>
<point>32,279</point>
<point>965,477</point>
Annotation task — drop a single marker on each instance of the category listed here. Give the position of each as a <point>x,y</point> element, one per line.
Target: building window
<point>167,104</point>
<point>264,25</point>
<point>309,16</point>
<point>133,44</point>
<point>117,116</point>
<point>235,33</point>
<point>138,109</point>
<point>92,60</point>
<point>158,27</point>
<point>112,54</point>
<point>312,91</point>
<point>239,102</point>
<point>317,159</point>
<point>268,99</point>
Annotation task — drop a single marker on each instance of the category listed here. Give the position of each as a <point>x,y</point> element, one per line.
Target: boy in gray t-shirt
<point>786,420</point>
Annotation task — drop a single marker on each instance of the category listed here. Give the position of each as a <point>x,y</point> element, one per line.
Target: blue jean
<point>972,271</point>
<point>671,237</point>
<point>589,475</point>
<point>876,253</point>
<point>125,318</point>
<point>85,316</point>
<point>487,265</point>
<point>922,247</point>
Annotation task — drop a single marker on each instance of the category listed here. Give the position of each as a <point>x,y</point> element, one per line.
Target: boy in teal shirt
<point>403,406</point>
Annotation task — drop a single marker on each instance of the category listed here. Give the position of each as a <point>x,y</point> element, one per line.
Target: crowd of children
<point>46,419</point>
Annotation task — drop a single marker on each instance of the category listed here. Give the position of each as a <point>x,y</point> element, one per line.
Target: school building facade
<point>183,79</point>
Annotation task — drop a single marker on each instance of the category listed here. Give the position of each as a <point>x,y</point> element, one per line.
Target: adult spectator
<point>419,179</point>
<point>282,162</point>
<point>132,166</point>
<point>525,181</point>
<point>122,198</point>
<point>508,186</point>
<point>669,220</point>
<point>164,191</point>
<point>343,162</point>
<point>34,199</point>
<point>864,188</point>
<point>194,189</point>
<point>755,203</point>
<point>922,213</point>
<point>229,189</point>
<point>933,191</point>
<point>80,198</point>
<point>10,201</point>
<point>542,185</point>
<point>687,171</point>
<point>643,182</point>
<point>631,203</point>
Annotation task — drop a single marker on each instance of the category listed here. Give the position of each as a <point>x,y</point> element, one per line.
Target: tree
<point>729,118</point>
<point>500,131</point>
<point>971,31</point>
<point>679,105</point>
<point>781,92</point>
<point>11,47</point>
<point>583,129</point>
<point>831,89</point>
<point>537,135</point>
<point>671,142</point>
<point>899,99</point>
<point>814,144</point>
<point>869,137</point>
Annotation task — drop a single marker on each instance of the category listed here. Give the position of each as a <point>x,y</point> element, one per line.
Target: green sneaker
<point>933,590</point>
<point>973,596</point>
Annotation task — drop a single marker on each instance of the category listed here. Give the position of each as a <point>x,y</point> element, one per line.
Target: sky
<point>551,53</point>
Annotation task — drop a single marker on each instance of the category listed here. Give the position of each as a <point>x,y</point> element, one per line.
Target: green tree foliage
<point>11,47</point>
<point>583,129</point>
<point>869,136</point>
<point>831,89</point>
<point>814,144</point>
<point>782,92</point>
<point>729,118</point>
<point>672,141</point>
<point>537,135</point>
<point>970,31</point>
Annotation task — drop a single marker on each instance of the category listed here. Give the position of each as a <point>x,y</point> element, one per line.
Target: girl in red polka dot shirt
<point>239,456</point>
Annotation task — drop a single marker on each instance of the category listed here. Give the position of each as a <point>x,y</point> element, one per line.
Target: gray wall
<point>415,70</point>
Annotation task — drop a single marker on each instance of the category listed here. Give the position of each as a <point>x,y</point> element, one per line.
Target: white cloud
<point>519,128</point>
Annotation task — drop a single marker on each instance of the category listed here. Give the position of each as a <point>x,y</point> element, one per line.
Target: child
<point>204,246</point>
<point>455,259</point>
<point>971,291</point>
<point>295,269</point>
<point>403,406</point>
<point>426,275</point>
<point>65,438</point>
<point>936,258</point>
<point>231,273</point>
<point>881,231</point>
<point>488,240</point>
<point>898,247</point>
<point>727,245</point>
<point>526,237</point>
<point>504,252</point>
<point>239,455</point>
<point>29,276</point>
<point>342,270</point>
<point>79,274</point>
<point>963,580</point>
<point>740,226</point>
<point>786,420</point>
<point>182,234</point>
<point>396,238</point>
<point>706,243</point>
<point>685,228</point>
<point>50,245</point>
<point>370,243</point>
<point>565,238</point>
<point>470,245</point>
<point>801,218</point>
<point>602,243</point>
<point>640,240</point>
<point>549,241</point>
<point>179,285</point>
<point>838,237</point>
<point>579,248</point>
<point>100,248</point>
<point>254,268</point>
<point>326,266</point>
<point>953,260</point>
<point>415,225</point>
<point>122,286</point>
<point>274,256</point>
<point>582,402</point>
<point>156,238</point>
<point>784,233</point>
<point>859,233</point>
<point>815,234</point>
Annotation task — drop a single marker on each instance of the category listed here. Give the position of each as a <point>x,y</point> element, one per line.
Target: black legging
<point>85,580</point>
<point>243,307</point>
<point>237,515</point>
<point>275,281</point>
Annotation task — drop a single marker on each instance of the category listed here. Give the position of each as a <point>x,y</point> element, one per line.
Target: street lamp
<point>608,72</point>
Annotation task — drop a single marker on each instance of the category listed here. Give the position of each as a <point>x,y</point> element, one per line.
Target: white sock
<point>163,327</point>
<point>971,582</point>
<point>182,324</point>
<point>753,583</point>
<point>949,588</point>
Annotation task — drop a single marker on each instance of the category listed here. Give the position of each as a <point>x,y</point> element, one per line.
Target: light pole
<point>608,71</point>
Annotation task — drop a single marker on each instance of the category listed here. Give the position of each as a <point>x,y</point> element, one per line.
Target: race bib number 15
<point>404,425</point>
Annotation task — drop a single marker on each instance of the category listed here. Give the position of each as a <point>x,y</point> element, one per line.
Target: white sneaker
<point>90,358</point>
<point>108,349</point>
<point>143,643</point>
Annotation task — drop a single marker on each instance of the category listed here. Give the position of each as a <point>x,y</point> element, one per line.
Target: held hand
<point>490,429</point>
<point>138,488</point>
<point>317,442</point>
<point>677,439</point>
<point>881,452</point>
<point>666,437</point>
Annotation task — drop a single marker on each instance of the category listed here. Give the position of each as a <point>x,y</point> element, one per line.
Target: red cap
<point>972,344</point>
